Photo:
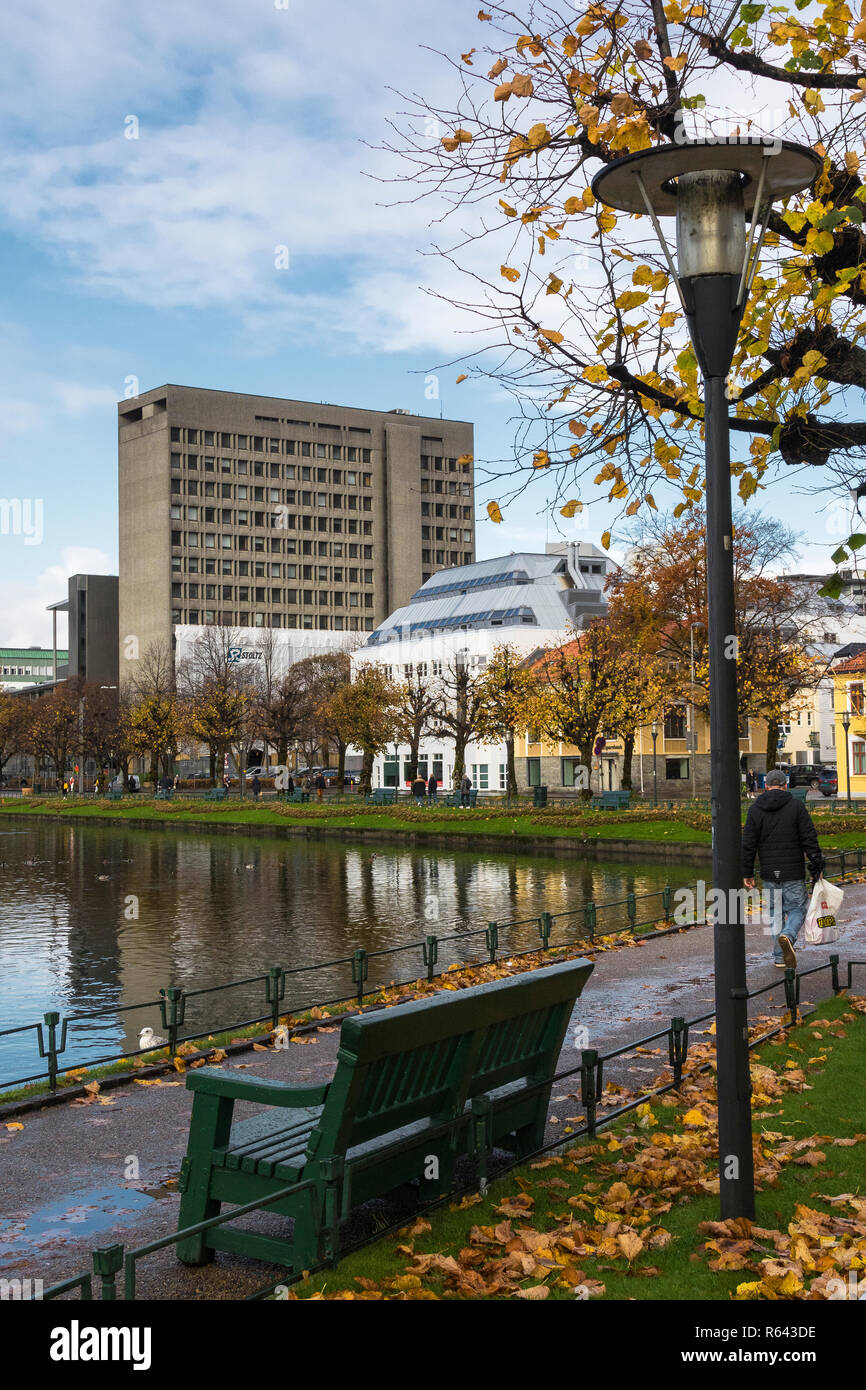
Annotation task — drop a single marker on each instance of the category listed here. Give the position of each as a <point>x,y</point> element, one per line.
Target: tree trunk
<point>212,761</point>
<point>414,746</point>
<point>772,741</point>
<point>459,761</point>
<point>586,759</point>
<point>367,773</point>
<point>627,753</point>
<point>341,764</point>
<point>510,770</point>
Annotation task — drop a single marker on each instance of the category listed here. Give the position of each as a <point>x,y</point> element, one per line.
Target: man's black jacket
<point>780,829</point>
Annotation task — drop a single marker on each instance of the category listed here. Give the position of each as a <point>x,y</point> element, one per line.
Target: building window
<point>675,724</point>
<point>677,769</point>
<point>533,772</point>
<point>856,703</point>
<point>858,757</point>
<point>571,772</point>
<point>479,776</point>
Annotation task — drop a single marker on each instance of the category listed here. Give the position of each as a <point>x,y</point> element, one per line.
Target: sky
<point>154,158</point>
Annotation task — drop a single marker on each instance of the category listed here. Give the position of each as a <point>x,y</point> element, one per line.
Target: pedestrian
<point>432,787</point>
<point>465,790</point>
<point>750,781</point>
<point>419,788</point>
<point>320,787</point>
<point>290,785</point>
<point>176,782</point>
<point>65,787</point>
<point>257,787</point>
<point>780,830</point>
<point>226,782</point>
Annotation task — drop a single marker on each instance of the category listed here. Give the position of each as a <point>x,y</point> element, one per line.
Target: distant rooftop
<point>551,592</point>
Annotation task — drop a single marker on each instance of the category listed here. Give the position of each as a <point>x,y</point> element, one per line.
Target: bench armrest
<point>216,1083</point>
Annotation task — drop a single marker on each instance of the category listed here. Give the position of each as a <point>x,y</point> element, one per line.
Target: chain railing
<point>173,999</point>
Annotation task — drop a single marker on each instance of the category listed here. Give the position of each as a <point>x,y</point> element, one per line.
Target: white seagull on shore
<point>147,1039</point>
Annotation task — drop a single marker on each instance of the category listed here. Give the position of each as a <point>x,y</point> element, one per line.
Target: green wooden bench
<point>453,798</point>
<point>164,794</point>
<point>115,793</point>
<point>383,796</point>
<point>799,793</point>
<point>401,1073</point>
<point>217,794</point>
<point>612,800</point>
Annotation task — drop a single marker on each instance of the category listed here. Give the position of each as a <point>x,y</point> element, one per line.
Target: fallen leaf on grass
<point>536,1292</point>
<point>14,1125</point>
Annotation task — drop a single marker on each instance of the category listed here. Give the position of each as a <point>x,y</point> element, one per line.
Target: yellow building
<point>849,706</point>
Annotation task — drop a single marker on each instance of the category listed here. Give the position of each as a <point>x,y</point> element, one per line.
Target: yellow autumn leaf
<point>552,335</point>
<point>509,211</point>
<point>694,1117</point>
<point>14,1125</point>
<point>461,377</point>
<point>606,220</point>
<point>571,507</point>
<point>494,512</point>
<point>631,299</point>
<point>605,540</point>
<point>509,273</point>
<point>464,458</point>
<point>676,64</point>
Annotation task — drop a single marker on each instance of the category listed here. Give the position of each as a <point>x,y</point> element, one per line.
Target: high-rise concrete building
<point>254,512</point>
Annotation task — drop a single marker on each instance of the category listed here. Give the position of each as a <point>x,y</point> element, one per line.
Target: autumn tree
<point>152,719</point>
<point>51,731</point>
<point>416,707</point>
<point>219,699</point>
<point>575,308</point>
<point>366,712</point>
<point>459,713</point>
<point>509,685</point>
<point>102,732</point>
<point>579,690</point>
<point>13,722</point>
<point>318,679</point>
<point>662,587</point>
<point>644,674</point>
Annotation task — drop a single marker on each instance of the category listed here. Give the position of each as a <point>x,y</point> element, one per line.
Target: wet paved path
<point>64,1184</point>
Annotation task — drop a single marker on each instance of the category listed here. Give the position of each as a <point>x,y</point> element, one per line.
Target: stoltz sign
<point>244,654</point>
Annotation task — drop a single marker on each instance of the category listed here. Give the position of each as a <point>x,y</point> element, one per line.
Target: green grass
<point>832,1108</point>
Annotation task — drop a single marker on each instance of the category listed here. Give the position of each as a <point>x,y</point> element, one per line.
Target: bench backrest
<point>424,1060</point>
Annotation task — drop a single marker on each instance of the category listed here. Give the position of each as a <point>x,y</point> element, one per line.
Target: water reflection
<point>99,919</point>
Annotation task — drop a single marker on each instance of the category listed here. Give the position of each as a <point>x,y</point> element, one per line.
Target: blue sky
<point>151,259</point>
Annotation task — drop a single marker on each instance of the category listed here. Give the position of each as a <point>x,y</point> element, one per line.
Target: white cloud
<point>26,621</point>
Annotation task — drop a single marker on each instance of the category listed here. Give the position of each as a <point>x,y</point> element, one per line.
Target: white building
<point>525,600</point>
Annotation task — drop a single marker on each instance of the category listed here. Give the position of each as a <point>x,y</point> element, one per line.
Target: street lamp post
<point>654,730</point>
<point>846,724</point>
<point>710,188</point>
<point>694,737</point>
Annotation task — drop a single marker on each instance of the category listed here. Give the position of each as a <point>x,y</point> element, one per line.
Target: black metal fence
<point>51,1036</point>
<point>109,1261</point>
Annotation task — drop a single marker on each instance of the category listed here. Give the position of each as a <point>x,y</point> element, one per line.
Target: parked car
<point>816,776</point>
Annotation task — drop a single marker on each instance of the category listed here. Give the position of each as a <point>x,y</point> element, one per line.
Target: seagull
<point>147,1039</point>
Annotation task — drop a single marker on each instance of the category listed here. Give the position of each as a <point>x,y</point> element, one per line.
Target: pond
<point>94,921</point>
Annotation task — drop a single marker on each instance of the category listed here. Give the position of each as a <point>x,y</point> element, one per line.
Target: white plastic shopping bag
<point>821,924</point>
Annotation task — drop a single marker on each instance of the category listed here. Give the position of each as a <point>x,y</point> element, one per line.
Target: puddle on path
<point>83,1213</point>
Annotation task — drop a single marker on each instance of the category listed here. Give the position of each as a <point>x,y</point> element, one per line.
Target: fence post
<point>360,970</point>
<point>51,1021</point>
<point>678,1046</point>
<point>481,1137</point>
<point>667,893</point>
<point>589,916</point>
<point>491,940</point>
<point>173,1017</point>
<point>792,993</point>
<point>842,869</point>
<point>107,1263</point>
<point>275,991</point>
<point>859,860</point>
<point>431,954</point>
<point>589,1086</point>
<point>631,909</point>
<point>545,926</point>
<point>834,973</point>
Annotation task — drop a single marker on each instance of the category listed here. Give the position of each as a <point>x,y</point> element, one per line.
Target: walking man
<point>780,830</point>
<point>465,789</point>
<point>432,787</point>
